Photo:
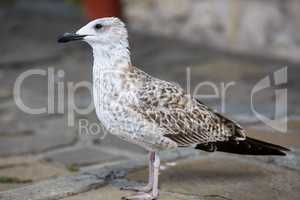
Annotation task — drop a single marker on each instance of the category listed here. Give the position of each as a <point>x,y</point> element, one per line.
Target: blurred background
<point>219,41</point>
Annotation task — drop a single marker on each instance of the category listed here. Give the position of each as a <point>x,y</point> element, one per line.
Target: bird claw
<point>141,196</point>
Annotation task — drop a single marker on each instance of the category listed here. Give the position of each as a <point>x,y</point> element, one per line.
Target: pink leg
<point>148,187</point>
<point>153,193</point>
<point>156,166</point>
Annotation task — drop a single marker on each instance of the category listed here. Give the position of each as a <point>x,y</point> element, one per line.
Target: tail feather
<point>249,146</point>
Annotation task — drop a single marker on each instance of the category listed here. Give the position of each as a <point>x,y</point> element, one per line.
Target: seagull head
<point>104,32</point>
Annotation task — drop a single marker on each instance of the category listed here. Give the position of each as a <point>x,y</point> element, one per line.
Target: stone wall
<point>260,27</point>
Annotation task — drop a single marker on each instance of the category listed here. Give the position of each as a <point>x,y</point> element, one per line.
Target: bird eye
<point>98,26</point>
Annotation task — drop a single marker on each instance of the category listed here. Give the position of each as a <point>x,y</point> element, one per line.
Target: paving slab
<point>35,171</point>
<point>290,139</point>
<point>230,178</point>
<point>57,188</point>
<point>53,188</point>
<point>210,178</point>
<point>112,193</point>
<point>35,136</point>
<point>22,174</point>
<point>6,162</point>
<point>85,155</point>
<point>11,186</point>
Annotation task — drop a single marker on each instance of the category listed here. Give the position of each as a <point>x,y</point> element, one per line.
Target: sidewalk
<point>213,178</point>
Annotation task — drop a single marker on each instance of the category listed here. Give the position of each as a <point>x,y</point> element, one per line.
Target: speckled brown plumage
<point>181,118</point>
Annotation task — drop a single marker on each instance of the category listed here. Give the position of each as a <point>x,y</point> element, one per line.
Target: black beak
<point>67,37</point>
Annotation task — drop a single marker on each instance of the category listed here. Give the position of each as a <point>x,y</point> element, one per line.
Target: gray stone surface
<point>54,188</point>
<point>63,186</point>
<point>85,156</point>
<point>112,193</point>
<point>18,172</point>
<point>206,177</point>
<point>210,178</point>
<point>267,28</point>
<point>227,177</point>
<point>35,136</point>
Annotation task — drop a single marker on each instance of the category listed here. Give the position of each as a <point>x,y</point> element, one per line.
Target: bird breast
<point>113,95</point>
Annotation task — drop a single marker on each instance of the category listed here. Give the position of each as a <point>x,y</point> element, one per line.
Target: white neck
<point>109,63</point>
<point>113,57</point>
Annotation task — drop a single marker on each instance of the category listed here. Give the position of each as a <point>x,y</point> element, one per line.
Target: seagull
<point>152,113</point>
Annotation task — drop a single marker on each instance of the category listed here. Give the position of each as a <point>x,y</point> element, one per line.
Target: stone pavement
<point>210,177</point>
<point>227,178</point>
<point>43,158</point>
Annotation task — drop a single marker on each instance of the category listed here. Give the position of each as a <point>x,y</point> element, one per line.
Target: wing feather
<point>182,118</point>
